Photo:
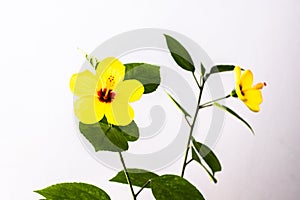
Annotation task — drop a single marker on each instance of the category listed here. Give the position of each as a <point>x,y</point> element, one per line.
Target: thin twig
<point>189,161</point>
<point>196,80</point>
<point>209,102</point>
<point>205,106</point>
<point>145,185</point>
<point>187,121</point>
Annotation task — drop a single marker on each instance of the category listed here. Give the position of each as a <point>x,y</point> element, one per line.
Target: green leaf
<point>202,70</point>
<point>91,59</point>
<point>195,156</point>
<point>221,68</point>
<point>180,54</point>
<point>197,159</point>
<point>73,191</point>
<point>178,105</point>
<point>104,137</point>
<point>234,114</point>
<point>148,75</point>
<point>208,156</point>
<point>138,177</point>
<point>130,132</point>
<point>174,187</point>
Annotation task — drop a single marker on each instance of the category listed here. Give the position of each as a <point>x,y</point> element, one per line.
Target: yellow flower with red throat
<point>250,95</point>
<point>105,93</point>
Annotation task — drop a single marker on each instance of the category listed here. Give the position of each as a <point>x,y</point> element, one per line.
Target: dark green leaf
<point>179,106</point>
<point>195,156</point>
<point>130,132</point>
<point>73,191</point>
<point>138,177</point>
<point>172,187</point>
<point>148,75</point>
<point>221,68</point>
<point>197,159</point>
<point>104,137</point>
<point>208,156</point>
<point>234,114</point>
<point>180,54</point>
<point>203,70</point>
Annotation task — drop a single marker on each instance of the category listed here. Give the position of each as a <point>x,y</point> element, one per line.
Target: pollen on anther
<point>265,84</point>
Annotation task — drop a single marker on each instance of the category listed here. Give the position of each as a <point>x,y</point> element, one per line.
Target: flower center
<point>105,95</point>
<point>241,89</point>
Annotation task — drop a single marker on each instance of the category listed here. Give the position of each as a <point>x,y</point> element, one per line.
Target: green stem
<point>207,103</point>
<point>191,133</point>
<point>205,106</point>
<point>189,161</point>
<point>187,121</point>
<point>196,80</point>
<point>127,175</point>
<point>145,185</point>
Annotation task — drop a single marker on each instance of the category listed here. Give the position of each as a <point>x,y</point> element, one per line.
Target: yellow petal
<point>129,90</point>
<point>110,67</point>
<point>237,74</point>
<point>119,113</point>
<point>253,99</point>
<point>89,110</point>
<point>237,77</point>
<point>83,83</point>
<point>254,96</point>
<point>253,107</point>
<point>246,80</point>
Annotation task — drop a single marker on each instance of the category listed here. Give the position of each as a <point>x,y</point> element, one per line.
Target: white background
<point>38,144</point>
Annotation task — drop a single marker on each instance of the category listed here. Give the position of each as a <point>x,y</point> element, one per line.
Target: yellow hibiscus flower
<point>105,93</point>
<point>250,95</point>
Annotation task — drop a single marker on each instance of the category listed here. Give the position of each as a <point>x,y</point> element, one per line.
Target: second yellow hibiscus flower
<point>250,95</point>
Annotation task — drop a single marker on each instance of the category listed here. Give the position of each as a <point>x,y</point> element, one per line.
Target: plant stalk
<point>191,132</point>
<point>127,175</point>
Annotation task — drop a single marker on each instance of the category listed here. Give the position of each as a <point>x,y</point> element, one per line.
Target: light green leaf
<point>234,114</point>
<point>178,105</point>
<point>221,68</point>
<point>208,156</point>
<point>172,187</point>
<point>148,75</point>
<point>138,177</point>
<point>180,54</point>
<point>91,59</point>
<point>73,191</point>
<point>197,159</point>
